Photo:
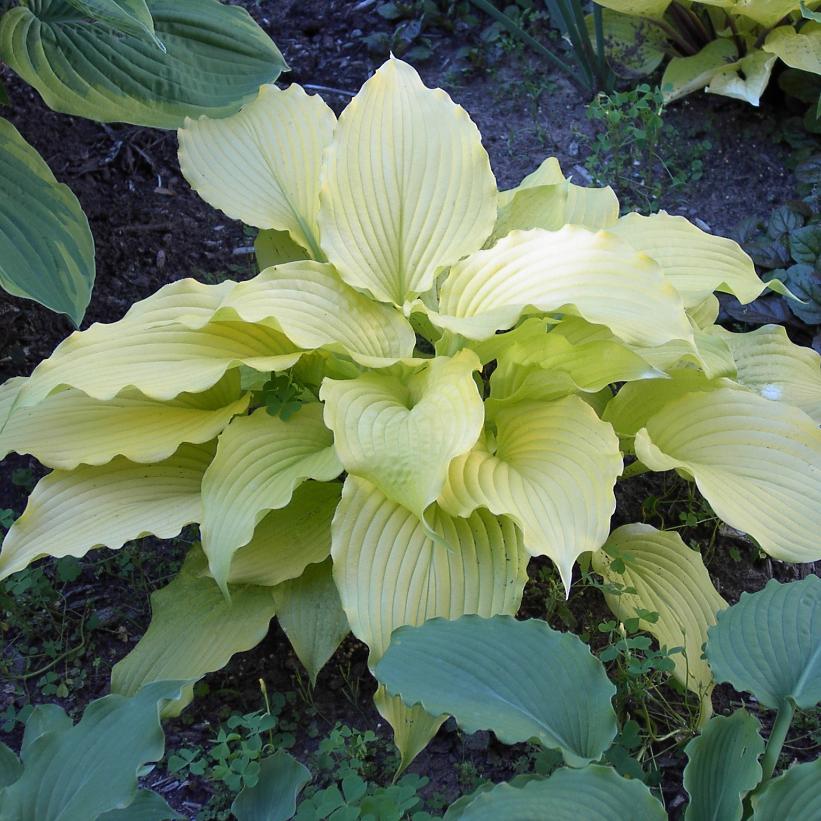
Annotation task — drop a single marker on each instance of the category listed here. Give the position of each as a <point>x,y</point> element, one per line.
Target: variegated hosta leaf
<point>553,471</point>
<point>260,460</point>
<point>695,262</point>
<point>262,165</point>
<point>401,431</point>
<point>684,75</point>
<point>407,186</point>
<point>287,540</point>
<point>127,16</point>
<point>799,49</point>
<point>314,308</point>
<point>669,579</point>
<point>629,410</point>
<point>194,630</point>
<point>70,512</point>
<point>161,360</point>
<point>768,363</point>
<point>389,573</point>
<point>594,275</point>
<point>310,613</point>
<point>758,464</point>
<point>69,428</point>
<point>745,80</point>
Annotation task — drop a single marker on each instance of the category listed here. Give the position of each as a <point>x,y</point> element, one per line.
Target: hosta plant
<point>148,62</point>
<point>729,47</point>
<point>474,669</point>
<point>415,396</point>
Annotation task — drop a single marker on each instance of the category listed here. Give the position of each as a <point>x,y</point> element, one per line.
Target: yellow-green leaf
<point>773,366</point>
<point>194,630</point>
<point>311,615</point>
<point>766,12</point>
<point>287,540</point>
<point>260,460</point>
<point>69,428</point>
<point>389,573</point>
<point>746,79</point>
<point>262,165</point>
<point>799,49</point>
<point>70,512</point>
<point>640,8</point>
<point>400,430</point>
<point>553,471</point>
<point>669,579</point>
<point>685,75</point>
<point>696,263</point>
<point>758,464</point>
<point>594,275</point>
<point>314,308</point>
<point>407,186</point>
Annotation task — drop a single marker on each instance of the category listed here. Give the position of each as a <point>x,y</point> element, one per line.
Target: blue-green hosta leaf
<point>723,767</point>
<point>90,768</point>
<point>147,806</point>
<point>194,630</point>
<point>44,718</point>
<point>594,793</point>
<point>127,16</point>
<point>46,247</point>
<point>795,794</point>
<point>518,678</point>
<point>273,798</point>
<point>216,59</point>
<point>10,767</point>
<point>310,614</point>
<point>769,644</point>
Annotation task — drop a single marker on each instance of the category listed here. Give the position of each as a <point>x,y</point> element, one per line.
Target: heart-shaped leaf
<point>216,58</point>
<point>518,678</point>
<point>769,644</point>
<point>273,798</point>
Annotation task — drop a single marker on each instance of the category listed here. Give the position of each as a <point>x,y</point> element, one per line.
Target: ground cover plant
<point>65,622</point>
<point>136,61</point>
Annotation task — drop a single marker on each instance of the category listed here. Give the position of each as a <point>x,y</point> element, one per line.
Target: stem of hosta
<point>779,732</point>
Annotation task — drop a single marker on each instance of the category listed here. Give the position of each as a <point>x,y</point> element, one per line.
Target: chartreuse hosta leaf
<point>640,8</point>
<point>126,16</point>
<point>389,572</point>
<point>518,678</point>
<point>193,631</point>
<point>94,71</point>
<point>552,471</point>
<point>794,794</point>
<point>68,428</point>
<point>287,540</point>
<point>745,80</point>
<point>684,75</point>
<point>799,49</point>
<point>310,613</point>
<point>85,770</point>
<point>314,308</point>
<point>46,247</point>
<point>767,12</point>
<point>768,363</point>
<point>545,199</point>
<point>758,464</point>
<point>69,512</point>
<point>769,644</point>
<point>273,797</point>
<point>262,165</point>
<point>668,579</point>
<point>401,429</point>
<point>260,460</point>
<point>594,275</point>
<point>401,198</point>
<point>723,767</point>
<point>696,263</point>
<point>594,793</point>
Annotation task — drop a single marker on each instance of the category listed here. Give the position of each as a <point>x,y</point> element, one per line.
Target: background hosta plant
<point>725,46</point>
<point>369,347</point>
<point>133,61</point>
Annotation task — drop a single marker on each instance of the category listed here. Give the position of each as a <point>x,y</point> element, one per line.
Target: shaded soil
<point>151,229</point>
